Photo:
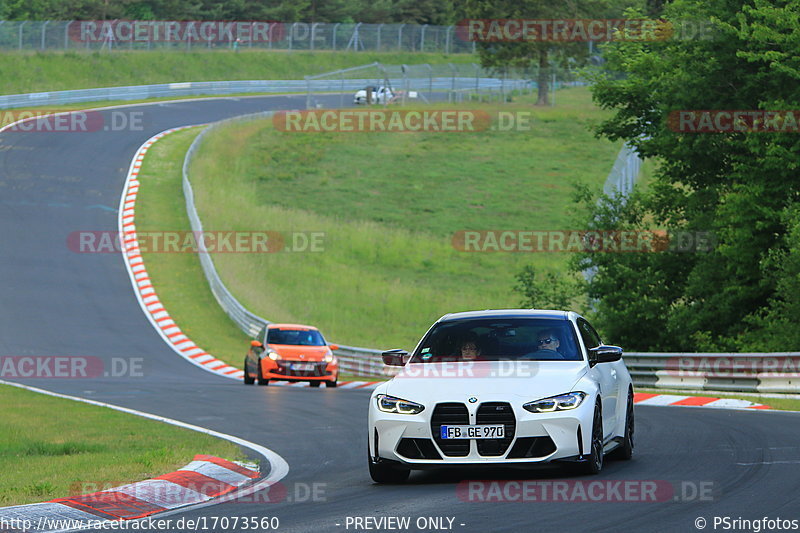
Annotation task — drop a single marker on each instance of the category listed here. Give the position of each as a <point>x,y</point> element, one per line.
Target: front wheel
<point>625,451</point>
<point>331,384</point>
<point>594,461</point>
<point>247,379</point>
<point>260,376</point>
<point>314,384</point>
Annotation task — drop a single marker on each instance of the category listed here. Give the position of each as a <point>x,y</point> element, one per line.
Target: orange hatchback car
<point>291,352</point>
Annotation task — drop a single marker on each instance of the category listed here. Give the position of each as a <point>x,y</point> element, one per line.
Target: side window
<point>588,334</point>
<point>262,335</point>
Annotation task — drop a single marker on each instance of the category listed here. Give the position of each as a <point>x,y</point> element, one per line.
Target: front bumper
<point>535,437</point>
<point>285,370</point>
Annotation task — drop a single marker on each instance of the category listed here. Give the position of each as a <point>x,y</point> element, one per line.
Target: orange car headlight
<point>274,356</point>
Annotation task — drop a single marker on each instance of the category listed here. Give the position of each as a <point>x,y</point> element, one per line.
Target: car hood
<point>300,353</point>
<point>488,380</point>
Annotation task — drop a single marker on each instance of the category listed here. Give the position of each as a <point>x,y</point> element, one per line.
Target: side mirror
<point>397,357</point>
<point>333,346</point>
<point>256,344</point>
<point>604,354</point>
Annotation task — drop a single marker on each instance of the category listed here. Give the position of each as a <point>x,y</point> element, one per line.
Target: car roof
<point>289,326</point>
<point>510,313</point>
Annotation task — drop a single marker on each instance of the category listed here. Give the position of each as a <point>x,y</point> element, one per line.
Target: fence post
<point>378,44</point>
<point>313,32</point>
<point>430,80</point>
<point>335,27</point>
<point>422,38</point>
<point>400,37</point>
<point>44,32</point>
<point>447,38</point>
<point>20,33</point>
<point>291,35</point>
<point>453,71</point>
<point>66,34</point>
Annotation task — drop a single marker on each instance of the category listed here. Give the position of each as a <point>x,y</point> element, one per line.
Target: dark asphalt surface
<point>57,302</point>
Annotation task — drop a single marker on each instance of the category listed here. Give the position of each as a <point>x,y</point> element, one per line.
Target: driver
<point>470,350</point>
<point>548,340</point>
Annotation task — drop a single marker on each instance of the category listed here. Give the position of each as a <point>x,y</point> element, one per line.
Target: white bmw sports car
<point>514,387</point>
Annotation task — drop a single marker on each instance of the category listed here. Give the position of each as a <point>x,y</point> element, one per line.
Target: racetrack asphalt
<point>58,302</point>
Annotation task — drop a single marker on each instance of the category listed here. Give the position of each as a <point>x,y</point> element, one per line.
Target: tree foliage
<point>743,186</point>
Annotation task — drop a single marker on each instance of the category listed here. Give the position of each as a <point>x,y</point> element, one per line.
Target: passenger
<point>548,341</point>
<point>470,350</point>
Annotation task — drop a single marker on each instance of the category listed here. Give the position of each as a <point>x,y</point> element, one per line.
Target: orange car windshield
<point>296,337</point>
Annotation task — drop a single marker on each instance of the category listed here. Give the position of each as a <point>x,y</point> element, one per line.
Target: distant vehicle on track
<point>374,95</point>
<point>515,387</point>
<point>291,352</point>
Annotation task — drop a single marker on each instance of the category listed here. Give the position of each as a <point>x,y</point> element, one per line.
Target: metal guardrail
<point>734,372</point>
<point>352,360</point>
<point>624,173</point>
<point>211,88</point>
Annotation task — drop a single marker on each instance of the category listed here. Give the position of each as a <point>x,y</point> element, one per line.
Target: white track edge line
<point>128,267</point>
<point>279,468</point>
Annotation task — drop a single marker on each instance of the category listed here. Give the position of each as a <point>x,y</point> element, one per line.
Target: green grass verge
<point>50,447</point>
<point>389,204</point>
<point>778,403</point>
<point>59,71</point>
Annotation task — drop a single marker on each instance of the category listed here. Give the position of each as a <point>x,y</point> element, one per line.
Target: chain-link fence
<point>377,83</point>
<point>149,35</point>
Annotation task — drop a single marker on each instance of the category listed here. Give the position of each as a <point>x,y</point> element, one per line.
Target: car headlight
<point>390,404</point>
<point>329,358</point>
<point>274,356</point>
<point>562,402</point>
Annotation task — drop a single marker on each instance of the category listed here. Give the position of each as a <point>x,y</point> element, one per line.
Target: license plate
<point>303,366</point>
<point>473,432</point>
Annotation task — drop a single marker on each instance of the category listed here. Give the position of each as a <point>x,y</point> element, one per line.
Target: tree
<point>738,184</point>
<point>529,55</point>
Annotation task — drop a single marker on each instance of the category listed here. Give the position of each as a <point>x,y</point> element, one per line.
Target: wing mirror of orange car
<point>256,344</point>
<point>333,346</point>
<point>396,357</point>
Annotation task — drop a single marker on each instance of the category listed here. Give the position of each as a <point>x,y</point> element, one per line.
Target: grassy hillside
<point>58,71</point>
<point>389,205</point>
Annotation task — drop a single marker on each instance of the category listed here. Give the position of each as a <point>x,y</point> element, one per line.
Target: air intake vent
<point>450,414</point>
<point>496,413</point>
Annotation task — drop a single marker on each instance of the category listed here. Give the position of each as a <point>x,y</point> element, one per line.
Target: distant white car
<point>515,387</point>
<point>377,95</point>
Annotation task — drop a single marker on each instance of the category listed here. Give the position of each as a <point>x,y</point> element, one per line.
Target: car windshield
<point>499,339</point>
<point>298,337</point>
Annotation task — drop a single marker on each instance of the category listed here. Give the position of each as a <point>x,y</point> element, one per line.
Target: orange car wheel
<point>260,378</point>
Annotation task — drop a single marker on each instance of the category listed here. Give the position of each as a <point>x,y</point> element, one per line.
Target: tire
<point>387,472</point>
<point>260,378</point>
<point>594,461</point>
<point>625,451</point>
<point>331,384</point>
<point>314,384</point>
<point>247,379</point>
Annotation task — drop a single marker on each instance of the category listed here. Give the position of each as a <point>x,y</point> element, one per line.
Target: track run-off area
<point>718,463</point>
